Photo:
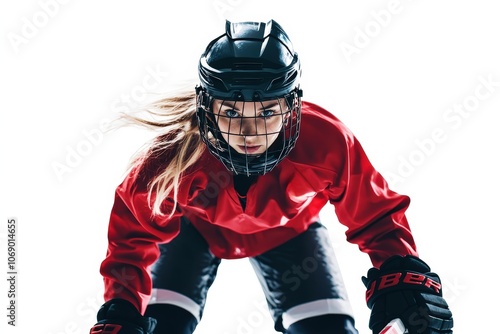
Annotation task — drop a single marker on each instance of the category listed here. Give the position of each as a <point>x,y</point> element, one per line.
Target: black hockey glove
<point>405,288</point>
<point>118,316</point>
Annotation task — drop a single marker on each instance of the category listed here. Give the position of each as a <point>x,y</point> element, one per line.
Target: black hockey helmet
<point>252,62</point>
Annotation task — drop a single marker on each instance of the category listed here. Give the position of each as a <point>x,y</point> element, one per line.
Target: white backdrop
<point>417,81</point>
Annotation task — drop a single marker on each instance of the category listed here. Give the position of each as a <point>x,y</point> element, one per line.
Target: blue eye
<point>267,113</point>
<point>231,113</point>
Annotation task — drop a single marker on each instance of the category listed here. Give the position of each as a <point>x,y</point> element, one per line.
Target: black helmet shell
<point>251,61</point>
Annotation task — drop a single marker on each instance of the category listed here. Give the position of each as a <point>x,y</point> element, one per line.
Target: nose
<point>249,127</point>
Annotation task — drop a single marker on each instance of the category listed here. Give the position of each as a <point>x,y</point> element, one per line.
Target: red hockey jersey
<point>327,164</point>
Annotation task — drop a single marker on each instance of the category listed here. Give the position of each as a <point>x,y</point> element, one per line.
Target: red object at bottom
<point>396,326</point>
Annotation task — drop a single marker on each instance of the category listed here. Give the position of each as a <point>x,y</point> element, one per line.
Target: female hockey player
<point>229,177</point>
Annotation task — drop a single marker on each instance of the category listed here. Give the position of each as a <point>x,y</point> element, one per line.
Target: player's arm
<point>373,214</point>
<point>400,285</point>
<point>132,247</point>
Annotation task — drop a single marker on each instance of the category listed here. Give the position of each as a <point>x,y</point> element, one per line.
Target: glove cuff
<point>118,309</point>
<point>402,280</point>
<point>401,273</point>
<point>123,311</point>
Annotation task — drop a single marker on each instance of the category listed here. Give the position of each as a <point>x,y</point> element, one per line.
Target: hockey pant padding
<point>300,278</point>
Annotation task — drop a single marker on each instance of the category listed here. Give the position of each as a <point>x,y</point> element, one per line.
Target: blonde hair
<point>174,117</point>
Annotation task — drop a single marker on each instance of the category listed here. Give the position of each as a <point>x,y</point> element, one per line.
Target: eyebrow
<point>233,105</point>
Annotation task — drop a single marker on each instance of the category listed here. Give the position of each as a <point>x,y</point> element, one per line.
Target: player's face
<point>250,127</point>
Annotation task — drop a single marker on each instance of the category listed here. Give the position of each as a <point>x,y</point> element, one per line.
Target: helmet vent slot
<point>248,81</point>
<point>247,66</point>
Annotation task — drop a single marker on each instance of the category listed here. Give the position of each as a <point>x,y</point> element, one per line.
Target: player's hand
<point>119,316</point>
<point>405,288</point>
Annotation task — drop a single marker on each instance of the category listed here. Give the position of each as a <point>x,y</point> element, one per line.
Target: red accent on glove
<point>105,329</point>
<point>394,279</point>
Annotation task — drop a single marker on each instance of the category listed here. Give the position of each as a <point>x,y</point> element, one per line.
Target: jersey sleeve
<point>373,213</point>
<point>133,236</point>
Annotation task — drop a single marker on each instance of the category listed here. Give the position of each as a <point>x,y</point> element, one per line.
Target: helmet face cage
<point>282,126</point>
<point>248,99</point>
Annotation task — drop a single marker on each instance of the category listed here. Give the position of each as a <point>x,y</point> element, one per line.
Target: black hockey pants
<point>300,279</point>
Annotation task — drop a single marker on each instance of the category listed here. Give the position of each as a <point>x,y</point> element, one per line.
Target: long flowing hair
<point>174,117</point>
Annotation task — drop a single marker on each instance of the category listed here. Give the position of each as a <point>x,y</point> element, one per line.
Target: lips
<point>249,149</point>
